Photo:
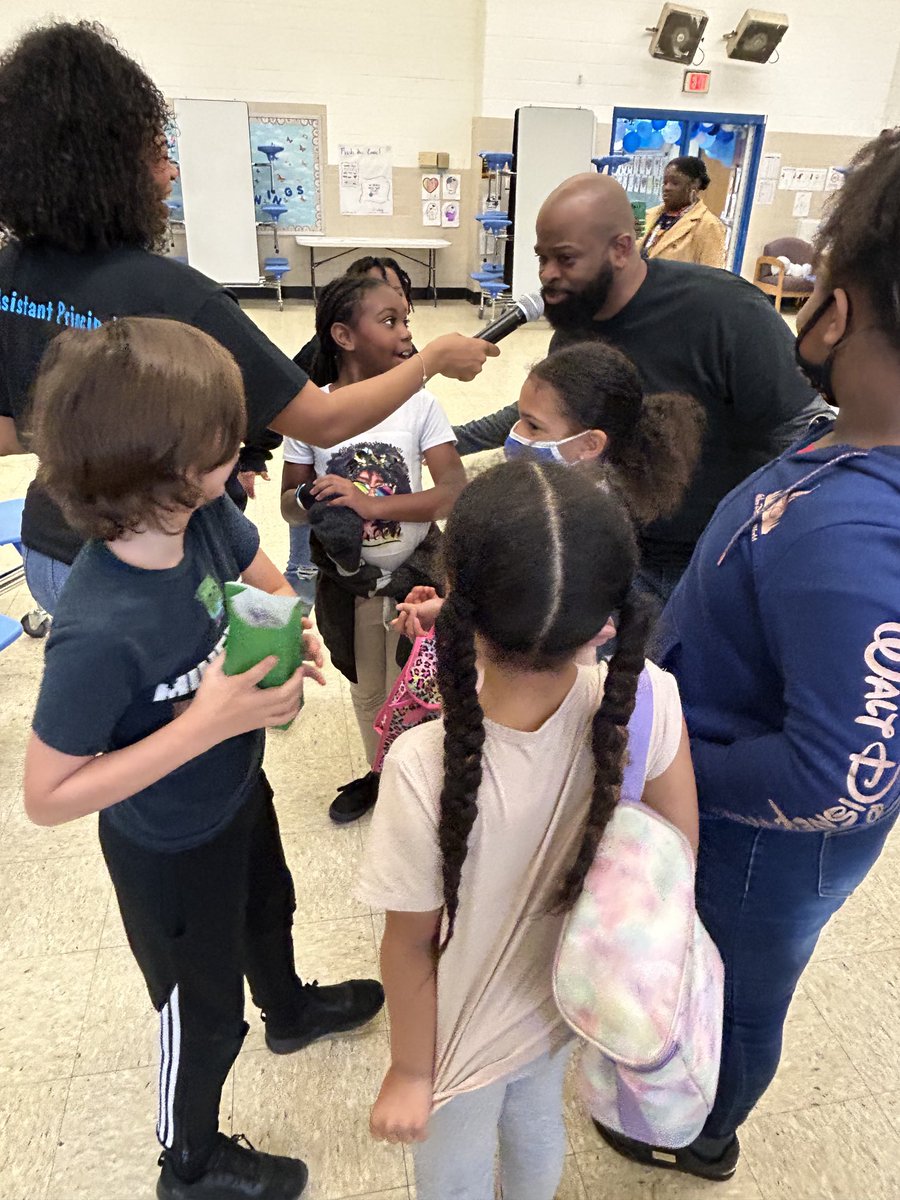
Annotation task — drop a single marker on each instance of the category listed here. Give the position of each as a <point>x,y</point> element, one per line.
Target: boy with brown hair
<point>137,426</point>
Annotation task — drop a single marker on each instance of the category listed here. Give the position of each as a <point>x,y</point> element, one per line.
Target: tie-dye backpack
<point>636,974</point>
<point>414,697</point>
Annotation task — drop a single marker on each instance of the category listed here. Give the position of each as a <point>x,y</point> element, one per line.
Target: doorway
<point>730,145</point>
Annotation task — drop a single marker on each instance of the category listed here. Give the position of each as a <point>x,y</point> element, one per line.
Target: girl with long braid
<point>489,819</point>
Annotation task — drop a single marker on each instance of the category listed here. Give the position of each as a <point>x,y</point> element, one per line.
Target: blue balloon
<point>658,124</point>
<point>725,136</point>
<point>644,128</point>
<point>709,128</point>
<point>645,138</point>
<point>631,142</point>
<point>694,129</point>
<point>657,141</point>
<point>672,131</point>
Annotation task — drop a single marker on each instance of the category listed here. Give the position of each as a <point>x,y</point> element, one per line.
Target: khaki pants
<point>376,663</point>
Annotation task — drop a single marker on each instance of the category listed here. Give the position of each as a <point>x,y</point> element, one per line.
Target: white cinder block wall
<point>405,73</point>
<point>835,72</point>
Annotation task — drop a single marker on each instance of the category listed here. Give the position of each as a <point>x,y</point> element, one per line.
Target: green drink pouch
<point>260,624</point>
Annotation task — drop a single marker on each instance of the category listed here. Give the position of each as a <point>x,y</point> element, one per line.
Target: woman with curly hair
<point>784,636</point>
<point>373,486</point>
<point>84,174</point>
<point>488,821</point>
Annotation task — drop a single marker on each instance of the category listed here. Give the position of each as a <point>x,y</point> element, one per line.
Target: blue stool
<point>277,266</point>
<point>495,160</point>
<point>9,631</point>
<point>491,289</point>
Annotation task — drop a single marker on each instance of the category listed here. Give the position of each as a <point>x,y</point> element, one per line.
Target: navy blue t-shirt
<point>127,651</point>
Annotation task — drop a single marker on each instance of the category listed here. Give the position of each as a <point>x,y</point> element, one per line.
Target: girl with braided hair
<point>784,635</point>
<point>369,488</point>
<point>489,819</point>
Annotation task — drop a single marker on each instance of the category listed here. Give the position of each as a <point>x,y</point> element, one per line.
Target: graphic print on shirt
<point>184,687</point>
<point>209,593</point>
<point>873,770</point>
<point>770,509</point>
<point>377,469</point>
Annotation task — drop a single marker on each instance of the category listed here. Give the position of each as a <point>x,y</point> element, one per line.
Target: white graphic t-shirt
<point>384,461</point>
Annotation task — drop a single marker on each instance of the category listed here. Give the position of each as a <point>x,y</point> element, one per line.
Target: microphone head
<point>532,306</point>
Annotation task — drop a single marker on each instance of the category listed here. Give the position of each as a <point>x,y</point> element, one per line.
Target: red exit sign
<point>696,81</point>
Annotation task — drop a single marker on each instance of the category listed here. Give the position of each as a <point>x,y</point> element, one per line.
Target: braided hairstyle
<point>858,243</point>
<point>532,621</point>
<point>654,441</point>
<point>362,266</point>
<point>338,305</point>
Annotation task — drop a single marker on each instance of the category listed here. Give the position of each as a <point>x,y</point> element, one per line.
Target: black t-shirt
<point>127,649</point>
<point>43,289</point>
<point>708,333</point>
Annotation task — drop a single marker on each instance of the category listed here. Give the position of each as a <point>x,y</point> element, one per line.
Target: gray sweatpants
<point>524,1112</point>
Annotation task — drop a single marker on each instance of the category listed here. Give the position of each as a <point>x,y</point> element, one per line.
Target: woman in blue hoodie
<point>784,635</point>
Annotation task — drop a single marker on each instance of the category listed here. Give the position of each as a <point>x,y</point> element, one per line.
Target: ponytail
<point>655,461</point>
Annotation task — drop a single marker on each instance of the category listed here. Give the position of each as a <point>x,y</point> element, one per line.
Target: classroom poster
<point>286,153</point>
<point>431,213</point>
<point>365,181</point>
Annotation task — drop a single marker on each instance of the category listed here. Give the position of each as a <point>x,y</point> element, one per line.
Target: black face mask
<point>819,374</point>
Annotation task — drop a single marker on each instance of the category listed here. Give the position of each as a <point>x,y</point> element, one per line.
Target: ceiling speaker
<point>677,34</point>
<point>757,35</point>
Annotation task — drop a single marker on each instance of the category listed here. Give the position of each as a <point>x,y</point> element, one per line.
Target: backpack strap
<point>640,728</point>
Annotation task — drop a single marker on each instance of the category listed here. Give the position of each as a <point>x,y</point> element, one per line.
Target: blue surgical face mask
<point>516,446</point>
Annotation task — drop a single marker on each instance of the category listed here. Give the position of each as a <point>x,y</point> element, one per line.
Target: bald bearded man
<point>688,328</point>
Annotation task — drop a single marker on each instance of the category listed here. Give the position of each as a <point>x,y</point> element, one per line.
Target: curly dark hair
<point>694,168</point>
<point>184,397</point>
<point>79,124</point>
<point>535,621</point>
<point>337,305</point>
<point>654,441</point>
<point>350,460</point>
<point>858,243</point>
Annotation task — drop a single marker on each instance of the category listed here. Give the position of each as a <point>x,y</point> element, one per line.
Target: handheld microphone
<point>526,308</point>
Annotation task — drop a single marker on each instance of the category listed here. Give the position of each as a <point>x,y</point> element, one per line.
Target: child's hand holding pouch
<point>260,624</point>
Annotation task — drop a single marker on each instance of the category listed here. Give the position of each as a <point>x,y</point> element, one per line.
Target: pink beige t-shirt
<point>495,1007</point>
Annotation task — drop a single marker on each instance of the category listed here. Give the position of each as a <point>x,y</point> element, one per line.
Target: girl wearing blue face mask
<point>784,636</point>
<point>584,407</point>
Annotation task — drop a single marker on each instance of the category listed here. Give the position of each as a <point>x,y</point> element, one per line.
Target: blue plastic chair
<point>10,535</point>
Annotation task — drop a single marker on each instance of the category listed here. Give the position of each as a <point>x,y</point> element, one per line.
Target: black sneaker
<point>354,799</point>
<point>686,1160</point>
<point>329,1010</point>
<point>236,1172</point>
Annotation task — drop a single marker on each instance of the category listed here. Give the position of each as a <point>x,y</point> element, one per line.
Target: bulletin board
<point>294,144</point>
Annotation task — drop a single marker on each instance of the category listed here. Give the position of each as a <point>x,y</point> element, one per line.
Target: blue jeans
<point>45,577</point>
<point>518,1120</point>
<point>301,572</point>
<point>765,896</point>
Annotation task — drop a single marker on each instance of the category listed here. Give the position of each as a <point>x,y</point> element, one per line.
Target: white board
<point>552,144</point>
<point>217,184</point>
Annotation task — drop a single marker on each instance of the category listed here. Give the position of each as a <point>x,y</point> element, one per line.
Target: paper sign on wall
<point>765,191</point>
<point>451,186</point>
<point>431,213</point>
<point>431,186</point>
<point>801,204</point>
<point>450,214</point>
<point>770,167</point>
<point>365,181</point>
<point>834,180</point>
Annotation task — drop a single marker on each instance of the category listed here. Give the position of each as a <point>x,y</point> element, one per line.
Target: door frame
<point>715,118</point>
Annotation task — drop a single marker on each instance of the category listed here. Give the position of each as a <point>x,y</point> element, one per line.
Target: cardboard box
<point>428,160</point>
<point>443,161</point>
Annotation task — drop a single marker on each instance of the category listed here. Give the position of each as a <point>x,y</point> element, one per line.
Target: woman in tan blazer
<point>682,227</point>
